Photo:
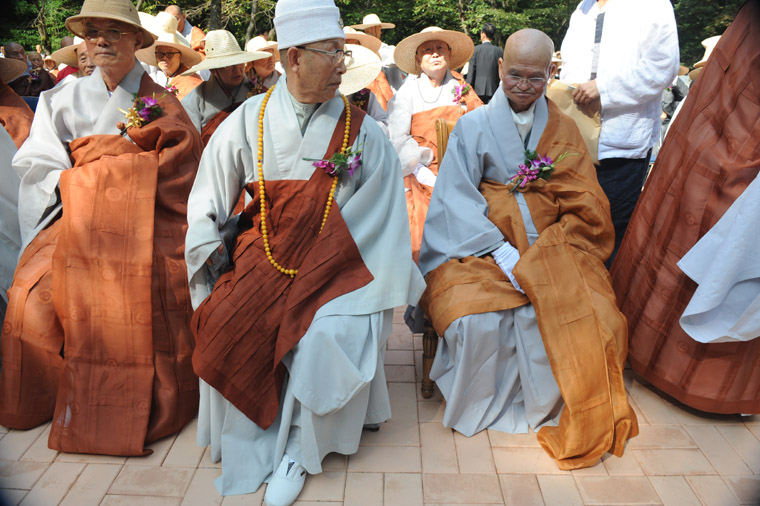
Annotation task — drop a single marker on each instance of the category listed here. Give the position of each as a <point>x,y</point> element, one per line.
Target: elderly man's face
<point>433,56</point>
<point>230,76</point>
<point>107,53</point>
<point>523,80</point>
<point>86,67</point>
<point>15,51</point>
<point>322,72</point>
<point>168,59</point>
<point>35,59</point>
<point>265,66</point>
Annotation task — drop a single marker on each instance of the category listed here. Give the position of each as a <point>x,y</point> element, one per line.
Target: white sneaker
<point>286,483</point>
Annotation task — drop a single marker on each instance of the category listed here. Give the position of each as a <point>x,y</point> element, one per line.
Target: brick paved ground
<point>681,457</point>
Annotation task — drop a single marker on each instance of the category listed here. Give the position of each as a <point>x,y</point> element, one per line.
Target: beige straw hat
<point>361,69</point>
<point>10,69</point>
<point>223,50</point>
<point>68,55</point>
<point>117,10</point>
<point>709,44</point>
<point>371,20</point>
<point>460,44</point>
<point>259,43</point>
<point>164,26</point>
<point>365,40</point>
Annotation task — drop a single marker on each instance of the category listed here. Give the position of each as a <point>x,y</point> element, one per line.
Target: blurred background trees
<point>31,22</point>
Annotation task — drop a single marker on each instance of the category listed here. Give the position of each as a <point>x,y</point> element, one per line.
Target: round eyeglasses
<point>514,80</point>
<point>337,56</point>
<point>111,34</point>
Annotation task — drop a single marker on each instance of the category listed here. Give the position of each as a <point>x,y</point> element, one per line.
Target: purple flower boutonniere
<point>340,163</point>
<point>144,110</point>
<point>459,91</point>
<point>173,90</point>
<point>534,167</point>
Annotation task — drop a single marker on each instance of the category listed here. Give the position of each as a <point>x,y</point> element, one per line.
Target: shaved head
<point>529,45</point>
<point>67,41</point>
<point>175,11</point>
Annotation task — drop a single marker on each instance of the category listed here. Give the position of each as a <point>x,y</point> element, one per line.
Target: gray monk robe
<point>503,350</point>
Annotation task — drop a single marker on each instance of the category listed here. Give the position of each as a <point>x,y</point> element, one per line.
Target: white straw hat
<point>68,55</point>
<point>460,44</point>
<point>259,43</point>
<point>164,26</point>
<point>361,69</point>
<point>10,69</point>
<point>223,50</point>
<point>366,40</point>
<point>709,44</point>
<point>300,22</point>
<point>371,20</point>
<point>117,10</point>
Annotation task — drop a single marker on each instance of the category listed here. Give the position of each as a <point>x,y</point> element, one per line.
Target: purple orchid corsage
<point>340,163</point>
<point>534,167</point>
<point>144,110</point>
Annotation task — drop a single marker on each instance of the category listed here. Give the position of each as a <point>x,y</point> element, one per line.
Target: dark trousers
<point>622,180</point>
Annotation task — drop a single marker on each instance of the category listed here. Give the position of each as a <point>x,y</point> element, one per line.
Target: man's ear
<point>294,58</point>
<point>501,60</point>
<point>139,40</point>
<point>552,70</point>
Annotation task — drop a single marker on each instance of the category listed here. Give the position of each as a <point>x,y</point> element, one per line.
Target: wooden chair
<point>429,337</point>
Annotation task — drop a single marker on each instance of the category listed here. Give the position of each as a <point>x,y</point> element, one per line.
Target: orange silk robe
<point>710,155</point>
<point>97,331</point>
<point>15,116</point>
<point>564,277</point>
<point>184,84</point>
<point>382,90</point>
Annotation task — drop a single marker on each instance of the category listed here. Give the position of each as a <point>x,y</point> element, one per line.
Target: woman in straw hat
<point>380,86</point>
<point>432,90</point>
<point>261,72</point>
<point>211,102</point>
<point>172,54</point>
<point>77,56</point>
<point>15,121</point>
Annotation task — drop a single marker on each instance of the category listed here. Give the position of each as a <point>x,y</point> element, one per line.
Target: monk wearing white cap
<point>97,334</point>
<point>290,337</point>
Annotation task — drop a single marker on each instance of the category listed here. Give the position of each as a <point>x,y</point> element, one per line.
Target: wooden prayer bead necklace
<point>262,194</point>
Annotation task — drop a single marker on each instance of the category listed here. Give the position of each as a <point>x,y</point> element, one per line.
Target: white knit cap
<point>300,22</point>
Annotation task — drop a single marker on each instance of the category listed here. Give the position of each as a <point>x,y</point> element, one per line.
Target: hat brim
<point>361,70</point>
<point>75,25</point>
<point>188,57</point>
<point>11,69</point>
<point>66,55</point>
<point>384,26</point>
<point>461,49</point>
<point>368,41</point>
<point>271,45</point>
<point>219,62</point>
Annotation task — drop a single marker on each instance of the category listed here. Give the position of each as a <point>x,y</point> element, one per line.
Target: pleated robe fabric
<point>710,155</point>
<point>319,412</point>
<point>97,333</point>
<point>562,272</point>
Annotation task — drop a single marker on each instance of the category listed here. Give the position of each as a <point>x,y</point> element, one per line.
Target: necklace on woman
<point>440,90</point>
<point>262,192</point>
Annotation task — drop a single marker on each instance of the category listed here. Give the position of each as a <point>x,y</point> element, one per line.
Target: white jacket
<point>638,59</point>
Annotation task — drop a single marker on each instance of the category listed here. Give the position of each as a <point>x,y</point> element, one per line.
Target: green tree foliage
<point>700,19</point>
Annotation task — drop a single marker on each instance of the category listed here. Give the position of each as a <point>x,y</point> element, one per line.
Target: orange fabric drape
<point>196,37</point>
<point>564,277</point>
<point>211,125</point>
<point>382,90</point>
<point>113,266</point>
<point>710,155</point>
<point>255,314</point>
<point>184,84</point>
<point>423,132</point>
<point>15,116</point>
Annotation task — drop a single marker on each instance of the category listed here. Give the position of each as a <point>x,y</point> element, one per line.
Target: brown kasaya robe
<point>382,90</point>
<point>423,131</point>
<point>184,84</point>
<point>97,331</point>
<point>33,84</point>
<point>255,314</point>
<point>710,155</point>
<point>564,278</point>
<point>15,116</point>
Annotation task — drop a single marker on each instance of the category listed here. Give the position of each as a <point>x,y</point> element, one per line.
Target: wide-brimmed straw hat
<point>460,44</point>
<point>371,20</point>
<point>259,43</point>
<point>361,69</point>
<point>223,50</point>
<point>117,10</point>
<point>164,27</point>
<point>365,40</point>
<point>709,44</point>
<point>68,55</point>
<point>10,69</point>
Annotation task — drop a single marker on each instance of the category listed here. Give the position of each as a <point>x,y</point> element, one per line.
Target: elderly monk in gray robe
<point>513,249</point>
<point>290,338</point>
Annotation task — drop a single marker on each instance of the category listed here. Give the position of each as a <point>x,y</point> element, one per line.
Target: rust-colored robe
<point>382,90</point>
<point>423,131</point>
<point>562,274</point>
<point>15,116</point>
<point>255,314</point>
<point>710,155</point>
<point>184,84</point>
<point>97,331</point>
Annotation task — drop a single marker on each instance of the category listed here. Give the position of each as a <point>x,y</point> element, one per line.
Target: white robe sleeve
<point>400,113</point>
